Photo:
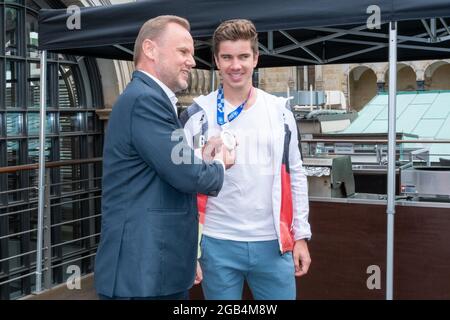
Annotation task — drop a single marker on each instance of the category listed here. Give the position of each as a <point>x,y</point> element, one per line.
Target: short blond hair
<point>153,28</point>
<point>234,30</point>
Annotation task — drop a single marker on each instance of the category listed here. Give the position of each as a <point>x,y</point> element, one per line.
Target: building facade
<point>74,133</point>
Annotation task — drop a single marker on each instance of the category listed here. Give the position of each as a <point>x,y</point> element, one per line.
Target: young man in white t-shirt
<point>257,228</point>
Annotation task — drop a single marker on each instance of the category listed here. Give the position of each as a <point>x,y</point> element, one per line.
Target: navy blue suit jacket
<point>149,233</point>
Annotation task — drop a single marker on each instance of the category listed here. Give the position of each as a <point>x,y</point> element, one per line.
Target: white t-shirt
<point>243,209</point>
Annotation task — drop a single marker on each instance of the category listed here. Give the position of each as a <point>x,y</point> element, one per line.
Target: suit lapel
<point>151,83</point>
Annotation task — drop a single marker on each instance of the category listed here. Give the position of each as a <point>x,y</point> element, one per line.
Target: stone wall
<point>362,90</point>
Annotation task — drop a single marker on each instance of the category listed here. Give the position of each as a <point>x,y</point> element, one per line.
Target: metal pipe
<point>445,25</point>
<point>391,158</point>
<point>75,220</point>
<point>375,141</point>
<point>53,164</point>
<point>17,256</point>
<point>18,233</point>
<point>433,29</point>
<point>73,260</point>
<point>17,212</point>
<point>47,238</point>
<point>270,41</point>
<point>74,181</point>
<point>74,201</point>
<point>213,79</point>
<point>17,278</point>
<point>75,240</point>
<point>17,190</point>
<point>305,78</point>
<point>427,28</point>
<point>73,193</point>
<point>43,82</point>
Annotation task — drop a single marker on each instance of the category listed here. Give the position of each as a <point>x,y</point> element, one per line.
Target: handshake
<point>221,148</point>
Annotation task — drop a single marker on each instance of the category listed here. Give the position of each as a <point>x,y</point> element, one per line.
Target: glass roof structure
<point>423,113</point>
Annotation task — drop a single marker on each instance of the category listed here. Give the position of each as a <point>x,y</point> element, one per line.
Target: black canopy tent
<point>291,32</point>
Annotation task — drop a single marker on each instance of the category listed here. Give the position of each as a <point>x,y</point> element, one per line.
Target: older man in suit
<point>149,230</point>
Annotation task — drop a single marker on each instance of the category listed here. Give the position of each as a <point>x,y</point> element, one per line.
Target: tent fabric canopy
<point>291,32</point>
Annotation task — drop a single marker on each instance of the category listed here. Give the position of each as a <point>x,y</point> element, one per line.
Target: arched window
<point>73,132</point>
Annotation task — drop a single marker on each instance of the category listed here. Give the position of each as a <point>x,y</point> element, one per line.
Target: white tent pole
<point>213,78</point>
<point>43,117</point>
<point>391,158</point>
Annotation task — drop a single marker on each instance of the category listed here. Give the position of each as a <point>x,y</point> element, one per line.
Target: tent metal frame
<point>390,210</point>
<point>432,35</point>
<point>336,33</point>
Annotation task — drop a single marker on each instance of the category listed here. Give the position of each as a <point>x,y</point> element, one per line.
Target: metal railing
<point>86,190</point>
<point>312,147</point>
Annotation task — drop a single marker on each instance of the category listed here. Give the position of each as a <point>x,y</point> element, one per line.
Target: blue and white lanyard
<point>221,107</point>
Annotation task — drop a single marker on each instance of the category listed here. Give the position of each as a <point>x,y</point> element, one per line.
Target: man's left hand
<point>198,274</point>
<point>213,146</point>
<point>301,257</point>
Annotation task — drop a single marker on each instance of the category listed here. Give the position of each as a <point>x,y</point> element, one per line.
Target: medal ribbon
<point>221,107</point>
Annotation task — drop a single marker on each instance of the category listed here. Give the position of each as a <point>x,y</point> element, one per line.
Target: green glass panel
<point>428,128</point>
<point>33,123</point>
<point>440,108</point>
<point>425,98</point>
<point>14,123</point>
<point>364,118</point>
<point>11,84</point>
<point>403,101</point>
<point>410,118</point>
<point>444,132</point>
<point>31,26</point>
<point>377,127</point>
<point>11,31</point>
